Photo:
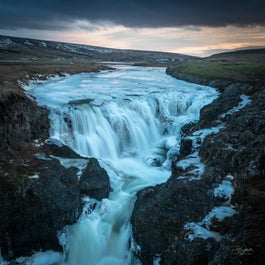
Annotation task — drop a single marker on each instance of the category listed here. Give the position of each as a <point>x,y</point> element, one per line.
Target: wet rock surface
<point>21,122</point>
<point>209,114</point>
<point>160,213</point>
<point>238,148</point>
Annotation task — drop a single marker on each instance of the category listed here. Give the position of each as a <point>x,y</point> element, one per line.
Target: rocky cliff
<point>211,211</point>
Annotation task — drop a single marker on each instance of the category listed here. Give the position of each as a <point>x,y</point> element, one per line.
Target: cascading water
<point>130,119</point>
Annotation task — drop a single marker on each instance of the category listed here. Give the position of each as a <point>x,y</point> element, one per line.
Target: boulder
<point>40,198</point>
<point>34,207</point>
<point>161,212</point>
<point>185,147</point>
<point>210,113</point>
<point>94,181</point>
<point>56,148</point>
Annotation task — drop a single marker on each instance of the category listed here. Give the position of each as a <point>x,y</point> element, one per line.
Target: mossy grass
<point>209,70</point>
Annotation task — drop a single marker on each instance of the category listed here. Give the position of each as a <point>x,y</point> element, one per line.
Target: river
<point>130,120</point>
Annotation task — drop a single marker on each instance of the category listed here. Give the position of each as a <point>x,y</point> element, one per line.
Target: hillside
<point>239,66</point>
<point>19,50</point>
<point>256,55</point>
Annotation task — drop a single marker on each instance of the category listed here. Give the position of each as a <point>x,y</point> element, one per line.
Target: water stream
<point>130,119</point>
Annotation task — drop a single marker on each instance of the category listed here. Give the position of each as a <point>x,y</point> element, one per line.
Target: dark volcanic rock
<point>56,148</point>
<point>160,213</point>
<point>94,181</point>
<point>34,207</point>
<point>21,121</point>
<point>38,200</point>
<point>209,114</point>
<point>196,252</point>
<point>185,147</point>
<point>240,149</point>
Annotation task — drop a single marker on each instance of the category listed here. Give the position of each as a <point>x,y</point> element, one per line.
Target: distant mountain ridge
<point>24,49</point>
<point>249,54</point>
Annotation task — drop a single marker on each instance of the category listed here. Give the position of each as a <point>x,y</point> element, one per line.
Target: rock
<point>160,213</point>
<point>35,207</point>
<point>56,148</point>
<point>185,147</point>
<point>187,129</point>
<point>210,113</point>
<point>39,199</point>
<point>21,122</point>
<point>94,181</point>
<point>196,252</point>
<point>240,150</point>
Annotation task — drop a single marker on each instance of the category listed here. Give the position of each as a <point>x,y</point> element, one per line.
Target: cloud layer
<point>59,14</point>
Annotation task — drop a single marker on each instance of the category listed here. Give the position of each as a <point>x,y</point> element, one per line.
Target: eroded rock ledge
<point>235,155</point>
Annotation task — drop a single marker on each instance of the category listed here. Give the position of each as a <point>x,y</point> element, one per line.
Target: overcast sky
<point>188,26</point>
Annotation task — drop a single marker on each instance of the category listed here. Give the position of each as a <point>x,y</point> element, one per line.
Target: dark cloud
<point>57,14</point>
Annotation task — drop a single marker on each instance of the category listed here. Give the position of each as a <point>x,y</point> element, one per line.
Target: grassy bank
<point>210,70</point>
<point>240,66</point>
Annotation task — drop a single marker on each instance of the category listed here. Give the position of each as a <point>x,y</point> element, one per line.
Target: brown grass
<point>11,73</point>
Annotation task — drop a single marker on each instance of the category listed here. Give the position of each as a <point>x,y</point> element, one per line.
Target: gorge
<point>145,125</point>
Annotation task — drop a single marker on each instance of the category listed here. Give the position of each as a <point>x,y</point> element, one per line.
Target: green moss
<point>241,71</point>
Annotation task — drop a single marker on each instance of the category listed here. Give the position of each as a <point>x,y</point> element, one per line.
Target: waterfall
<point>130,120</point>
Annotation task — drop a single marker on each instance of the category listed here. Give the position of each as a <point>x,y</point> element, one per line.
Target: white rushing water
<point>130,119</point>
